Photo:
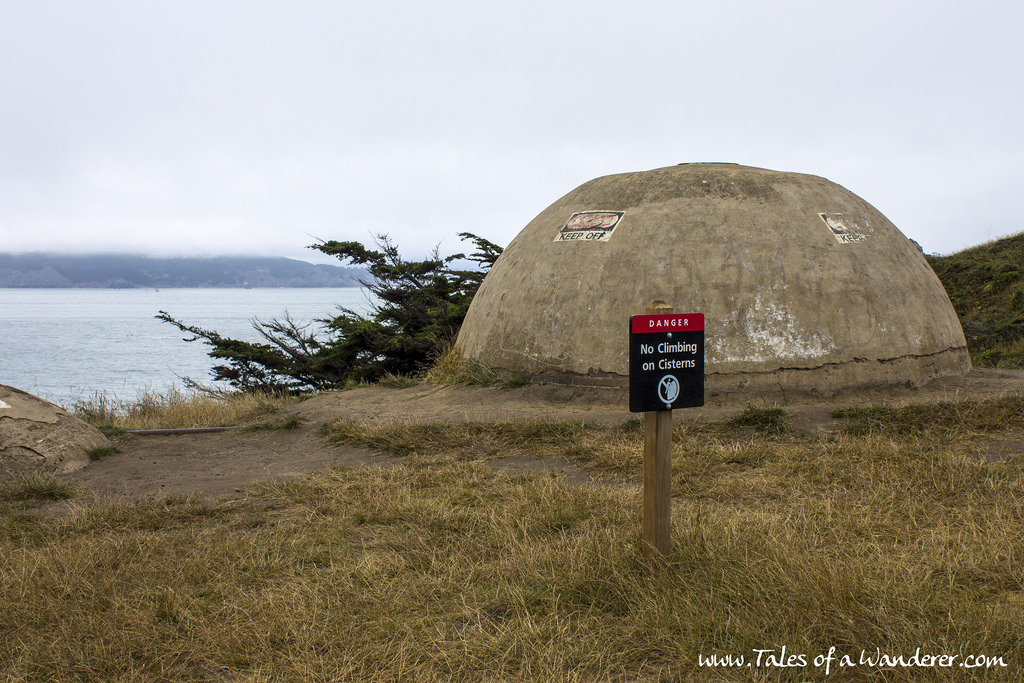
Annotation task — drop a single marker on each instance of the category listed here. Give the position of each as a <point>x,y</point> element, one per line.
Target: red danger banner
<point>681,322</point>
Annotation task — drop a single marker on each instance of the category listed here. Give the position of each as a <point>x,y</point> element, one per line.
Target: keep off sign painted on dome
<point>666,361</point>
<point>589,226</point>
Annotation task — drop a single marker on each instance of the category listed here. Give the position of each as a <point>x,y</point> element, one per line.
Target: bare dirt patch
<point>214,464</point>
<point>223,464</point>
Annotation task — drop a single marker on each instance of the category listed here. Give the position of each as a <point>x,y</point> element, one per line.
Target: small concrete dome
<point>803,285</point>
<point>38,436</point>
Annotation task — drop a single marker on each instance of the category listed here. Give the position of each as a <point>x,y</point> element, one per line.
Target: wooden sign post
<point>666,371</point>
<point>657,484</point>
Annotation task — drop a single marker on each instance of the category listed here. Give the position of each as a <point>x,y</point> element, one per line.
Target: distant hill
<point>986,286</point>
<point>123,271</point>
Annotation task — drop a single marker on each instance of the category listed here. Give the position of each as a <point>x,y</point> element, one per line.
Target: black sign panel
<point>666,361</point>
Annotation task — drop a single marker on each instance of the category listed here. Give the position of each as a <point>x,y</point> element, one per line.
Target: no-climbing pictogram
<point>668,390</point>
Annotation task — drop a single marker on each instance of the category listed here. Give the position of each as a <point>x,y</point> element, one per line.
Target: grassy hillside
<point>986,285</point>
<point>438,567</point>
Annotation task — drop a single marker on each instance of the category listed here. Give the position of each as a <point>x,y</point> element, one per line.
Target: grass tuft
<point>451,368</point>
<point>986,415</point>
<point>276,425</point>
<point>769,420</point>
<point>176,409</point>
<point>514,382</point>
<point>36,488</point>
<point>397,381</point>
<point>100,452</point>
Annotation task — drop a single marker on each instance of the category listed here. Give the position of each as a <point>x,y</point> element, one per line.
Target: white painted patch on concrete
<point>846,229</point>
<point>768,332</point>
<point>589,226</point>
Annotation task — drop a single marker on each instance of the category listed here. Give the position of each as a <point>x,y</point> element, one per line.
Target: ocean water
<point>72,344</point>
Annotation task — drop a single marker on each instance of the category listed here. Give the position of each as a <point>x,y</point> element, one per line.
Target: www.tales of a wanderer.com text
<point>832,660</point>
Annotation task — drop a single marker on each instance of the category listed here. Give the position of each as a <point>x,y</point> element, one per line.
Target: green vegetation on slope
<point>986,286</point>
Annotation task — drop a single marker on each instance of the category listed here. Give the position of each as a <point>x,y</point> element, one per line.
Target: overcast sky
<point>256,127</point>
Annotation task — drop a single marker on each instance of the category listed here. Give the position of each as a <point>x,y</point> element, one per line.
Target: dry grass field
<point>177,409</point>
<point>901,533</point>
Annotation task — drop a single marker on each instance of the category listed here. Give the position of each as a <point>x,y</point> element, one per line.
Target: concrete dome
<point>803,284</point>
<point>38,436</point>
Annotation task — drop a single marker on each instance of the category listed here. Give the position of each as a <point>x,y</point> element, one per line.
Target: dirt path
<point>224,463</point>
<point>214,464</point>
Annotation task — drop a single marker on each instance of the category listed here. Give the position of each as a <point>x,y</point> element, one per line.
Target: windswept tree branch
<point>419,308</point>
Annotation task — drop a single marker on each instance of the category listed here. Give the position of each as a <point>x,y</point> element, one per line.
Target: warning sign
<point>589,226</point>
<point>846,229</point>
<point>666,361</point>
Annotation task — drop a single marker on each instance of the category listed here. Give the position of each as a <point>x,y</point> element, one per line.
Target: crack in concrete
<point>882,361</point>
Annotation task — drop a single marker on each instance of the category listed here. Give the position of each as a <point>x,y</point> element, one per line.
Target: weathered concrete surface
<point>38,436</point>
<point>803,284</point>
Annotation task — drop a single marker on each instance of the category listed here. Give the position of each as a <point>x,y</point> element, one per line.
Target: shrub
<point>420,307</point>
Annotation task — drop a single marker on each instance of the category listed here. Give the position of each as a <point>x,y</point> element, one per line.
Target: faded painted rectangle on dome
<point>846,229</point>
<point>589,226</point>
